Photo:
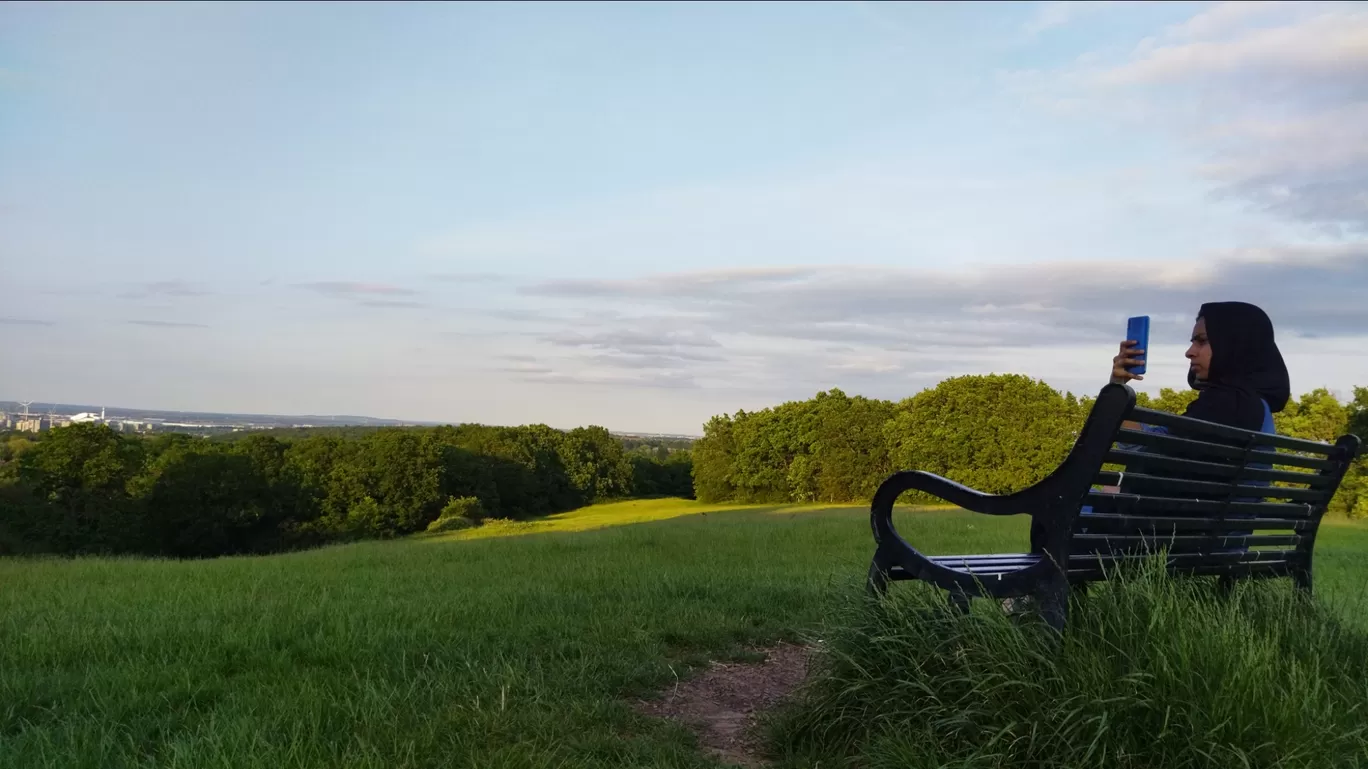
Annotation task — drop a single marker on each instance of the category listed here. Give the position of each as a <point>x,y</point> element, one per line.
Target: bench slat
<point>1215,469</point>
<point>1132,504</point>
<point>1202,450</point>
<point>1003,562</point>
<point>1109,523</point>
<point>1260,569</point>
<point>1146,485</point>
<point>1197,427</point>
<point>1104,543</point>
<point>1191,559</point>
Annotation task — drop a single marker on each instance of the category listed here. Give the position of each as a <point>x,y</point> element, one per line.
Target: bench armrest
<point>956,494</point>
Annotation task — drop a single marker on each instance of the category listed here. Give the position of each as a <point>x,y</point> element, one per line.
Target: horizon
<point>641,216</point>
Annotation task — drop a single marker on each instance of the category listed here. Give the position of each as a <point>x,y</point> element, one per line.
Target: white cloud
<point>1049,15</point>
<point>1272,99</point>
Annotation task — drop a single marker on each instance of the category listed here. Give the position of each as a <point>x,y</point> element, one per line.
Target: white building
<point>88,416</point>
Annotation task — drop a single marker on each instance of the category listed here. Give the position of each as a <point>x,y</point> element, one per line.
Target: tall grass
<point>1152,672</point>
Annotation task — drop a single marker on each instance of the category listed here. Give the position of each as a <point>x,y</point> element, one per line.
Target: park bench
<point>1216,500</point>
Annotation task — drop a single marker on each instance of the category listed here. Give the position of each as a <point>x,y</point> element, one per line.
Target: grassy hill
<point>506,646</point>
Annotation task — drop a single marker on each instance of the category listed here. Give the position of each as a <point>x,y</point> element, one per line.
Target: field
<point>513,645</point>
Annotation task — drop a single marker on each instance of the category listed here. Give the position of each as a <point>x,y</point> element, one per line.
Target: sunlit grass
<point>627,513</point>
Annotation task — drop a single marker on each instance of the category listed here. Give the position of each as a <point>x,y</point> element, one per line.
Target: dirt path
<point>721,704</point>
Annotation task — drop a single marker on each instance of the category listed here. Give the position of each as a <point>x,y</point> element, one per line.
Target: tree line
<point>996,433</point>
<point>88,489</point>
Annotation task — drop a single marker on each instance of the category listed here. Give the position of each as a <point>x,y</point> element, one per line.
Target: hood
<point>1244,354</point>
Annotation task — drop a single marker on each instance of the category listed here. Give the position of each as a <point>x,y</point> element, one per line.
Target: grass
<point>1154,672</point>
<point>511,645</point>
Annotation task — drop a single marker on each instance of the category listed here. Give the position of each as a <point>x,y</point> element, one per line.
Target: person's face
<point>1199,354</point>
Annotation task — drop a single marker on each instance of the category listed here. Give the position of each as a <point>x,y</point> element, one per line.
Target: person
<point>1234,364</point>
<point>1238,372</point>
<point>1241,381</point>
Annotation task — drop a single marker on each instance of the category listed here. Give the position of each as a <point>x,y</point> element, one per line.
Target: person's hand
<point>1128,356</point>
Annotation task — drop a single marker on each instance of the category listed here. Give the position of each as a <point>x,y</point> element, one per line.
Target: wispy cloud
<point>343,288</point>
<point>24,322</point>
<point>164,288</point>
<point>166,324</point>
<point>467,277</point>
<point>393,303</point>
<point>1049,15</point>
<point>892,328</point>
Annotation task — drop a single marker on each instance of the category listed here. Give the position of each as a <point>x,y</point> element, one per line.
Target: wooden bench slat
<point>1144,484</point>
<point>1188,425</point>
<point>1215,469</point>
<point>1203,450</point>
<point>1133,504</point>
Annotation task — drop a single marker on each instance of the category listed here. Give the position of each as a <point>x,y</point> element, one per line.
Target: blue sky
<point>640,215</point>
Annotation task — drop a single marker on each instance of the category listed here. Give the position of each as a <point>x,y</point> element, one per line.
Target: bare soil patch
<point>721,704</point>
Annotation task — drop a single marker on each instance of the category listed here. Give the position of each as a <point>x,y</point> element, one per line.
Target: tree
<point>203,500</point>
<point>1356,414</point>
<point>1316,416</point>
<point>1173,401</point>
<point>997,433</point>
<point>75,488</point>
<point>714,459</point>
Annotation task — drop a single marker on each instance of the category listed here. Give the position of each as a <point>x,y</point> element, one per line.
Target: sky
<point>643,215</point>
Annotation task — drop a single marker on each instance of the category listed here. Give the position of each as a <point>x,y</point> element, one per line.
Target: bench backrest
<point>1219,499</point>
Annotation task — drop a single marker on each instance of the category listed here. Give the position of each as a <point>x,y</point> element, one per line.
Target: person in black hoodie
<point>1234,364</point>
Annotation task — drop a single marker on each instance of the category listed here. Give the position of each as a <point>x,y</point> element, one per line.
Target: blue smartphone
<point>1137,328</point>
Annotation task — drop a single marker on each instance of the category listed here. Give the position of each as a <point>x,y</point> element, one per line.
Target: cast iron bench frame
<point>1147,514</point>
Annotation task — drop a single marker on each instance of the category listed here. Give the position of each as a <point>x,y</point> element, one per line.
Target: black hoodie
<point>1246,367</point>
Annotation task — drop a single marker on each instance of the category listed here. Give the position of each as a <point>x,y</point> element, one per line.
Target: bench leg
<point>877,582</point>
<point>959,601</point>
<point>1054,603</point>
<point>1302,580</point>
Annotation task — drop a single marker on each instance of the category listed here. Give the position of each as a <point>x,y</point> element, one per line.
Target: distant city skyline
<point>642,215</point>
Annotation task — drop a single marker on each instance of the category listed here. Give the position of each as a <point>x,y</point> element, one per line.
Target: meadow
<point>517,645</point>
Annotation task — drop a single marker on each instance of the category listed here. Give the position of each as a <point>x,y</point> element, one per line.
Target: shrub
<point>451,523</point>
<point>464,507</point>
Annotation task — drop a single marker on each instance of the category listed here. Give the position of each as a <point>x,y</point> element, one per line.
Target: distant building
<point>88,416</point>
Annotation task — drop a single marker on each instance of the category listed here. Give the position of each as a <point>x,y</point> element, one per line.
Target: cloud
<point>342,288</point>
<point>171,288</point>
<point>1272,96</point>
<point>24,322</point>
<point>467,277</point>
<point>1049,15</point>
<point>654,379</point>
<point>166,324</point>
<point>892,330</point>
<point>395,303</point>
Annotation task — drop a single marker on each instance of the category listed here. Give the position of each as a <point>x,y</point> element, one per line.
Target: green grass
<point>512,645</point>
<point>1154,672</point>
